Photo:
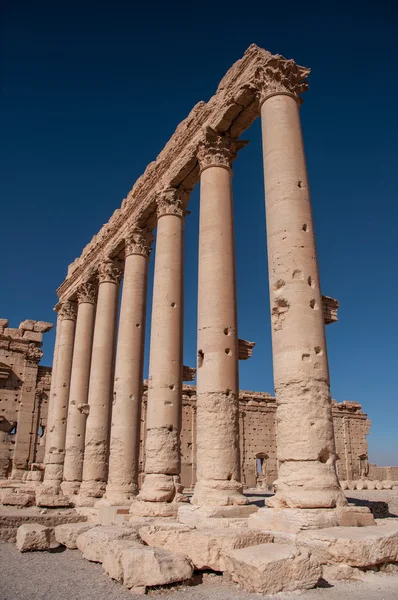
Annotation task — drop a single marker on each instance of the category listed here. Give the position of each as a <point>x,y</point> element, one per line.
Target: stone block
<point>204,547</point>
<point>112,559</point>
<point>3,322</point>
<point>68,533</point>
<point>18,498</point>
<point>292,520</point>
<point>154,509</point>
<point>42,326</point>
<point>273,568</point>
<point>94,542</point>
<point>27,325</point>
<point>32,536</point>
<point>354,546</point>
<point>48,498</point>
<point>215,516</point>
<point>341,572</point>
<point>33,336</point>
<point>354,516</point>
<point>154,566</point>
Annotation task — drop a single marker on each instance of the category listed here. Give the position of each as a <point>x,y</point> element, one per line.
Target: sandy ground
<point>65,575</point>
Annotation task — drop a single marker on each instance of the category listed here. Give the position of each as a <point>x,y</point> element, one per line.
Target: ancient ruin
<point>203,437</point>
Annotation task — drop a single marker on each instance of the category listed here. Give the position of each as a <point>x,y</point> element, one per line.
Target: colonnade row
<point>95,401</point>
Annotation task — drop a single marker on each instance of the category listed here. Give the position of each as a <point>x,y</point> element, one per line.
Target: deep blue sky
<point>91,92</point>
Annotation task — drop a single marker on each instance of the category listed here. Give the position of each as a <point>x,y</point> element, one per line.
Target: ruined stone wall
<point>383,473</point>
<point>24,388</point>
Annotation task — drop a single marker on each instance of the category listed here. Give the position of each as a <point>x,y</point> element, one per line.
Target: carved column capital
<point>171,202</point>
<point>67,310</point>
<point>87,292</point>
<point>109,271</point>
<point>217,150</point>
<point>139,242</point>
<point>280,76</point>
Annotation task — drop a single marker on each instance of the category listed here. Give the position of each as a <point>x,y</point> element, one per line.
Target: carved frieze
<point>171,202</point>
<point>67,310</point>
<point>280,76</point>
<point>139,242</point>
<point>109,271</point>
<point>217,150</point>
<point>87,292</point>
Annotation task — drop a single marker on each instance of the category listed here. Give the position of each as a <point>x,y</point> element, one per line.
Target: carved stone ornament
<point>109,271</point>
<point>68,310</point>
<point>217,150</point>
<point>87,292</point>
<point>33,353</point>
<point>171,202</point>
<point>139,242</point>
<point>280,76</point>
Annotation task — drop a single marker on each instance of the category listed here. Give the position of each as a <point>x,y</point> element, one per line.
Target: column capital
<point>87,292</point>
<point>139,241</point>
<point>281,76</point>
<point>67,310</point>
<point>171,202</point>
<point>217,150</point>
<point>109,271</point>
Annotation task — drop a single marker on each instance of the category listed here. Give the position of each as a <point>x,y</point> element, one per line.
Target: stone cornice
<point>109,271</point>
<point>217,150</point>
<point>231,111</point>
<point>138,242</point>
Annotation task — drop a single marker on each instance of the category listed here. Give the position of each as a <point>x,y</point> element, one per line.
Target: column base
<point>70,488</point>
<point>89,493</point>
<point>210,517</point>
<point>48,496</point>
<point>158,487</point>
<point>212,492</point>
<point>118,497</point>
<point>294,520</point>
<point>140,508</point>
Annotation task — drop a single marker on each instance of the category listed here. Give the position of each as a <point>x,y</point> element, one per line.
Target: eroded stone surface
<point>94,542</point>
<point>273,568</point>
<point>112,558</point>
<point>154,566</point>
<point>68,533</point>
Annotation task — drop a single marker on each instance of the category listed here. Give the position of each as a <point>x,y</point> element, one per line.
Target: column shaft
<point>218,469</point>
<point>78,397</point>
<point>162,446</point>
<point>52,388</point>
<point>126,412</point>
<point>305,438</point>
<point>59,409</point>
<point>95,465</point>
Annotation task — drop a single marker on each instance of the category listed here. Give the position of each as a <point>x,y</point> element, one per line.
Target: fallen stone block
<point>354,516</point>
<point>354,546</point>
<point>68,533</point>
<point>32,536</point>
<point>112,559</point>
<point>204,547</point>
<point>94,542</point>
<point>341,572</point>
<point>18,499</point>
<point>48,499</point>
<point>273,568</point>
<point>148,567</point>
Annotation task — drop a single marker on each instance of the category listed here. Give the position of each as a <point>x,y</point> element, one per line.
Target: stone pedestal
<point>162,444</point>
<point>126,413</point>
<point>78,397</point>
<point>217,435</point>
<point>95,466</point>
<point>305,439</point>
<point>59,409</point>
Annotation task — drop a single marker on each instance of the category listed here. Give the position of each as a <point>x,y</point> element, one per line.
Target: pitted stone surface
<point>112,559</point>
<point>94,543</point>
<point>33,536</point>
<point>154,566</point>
<point>68,533</point>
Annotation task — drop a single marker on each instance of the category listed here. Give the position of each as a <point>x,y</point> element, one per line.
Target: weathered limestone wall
<point>24,390</point>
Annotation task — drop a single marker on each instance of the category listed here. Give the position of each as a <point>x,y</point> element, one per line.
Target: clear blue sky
<point>91,92</point>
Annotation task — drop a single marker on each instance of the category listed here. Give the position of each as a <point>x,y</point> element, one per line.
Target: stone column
<point>217,435</point>
<point>127,398</point>
<point>78,397</point>
<point>52,387</point>
<point>95,465</point>
<point>305,438</point>
<point>59,409</point>
<point>161,486</point>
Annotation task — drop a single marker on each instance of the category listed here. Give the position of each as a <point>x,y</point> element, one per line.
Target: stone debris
<point>112,559</point>
<point>94,542</point>
<point>204,547</point>
<point>33,536</point>
<point>354,546</point>
<point>273,568</point>
<point>341,572</point>
<point>148,567</point>
<point>68,533</point>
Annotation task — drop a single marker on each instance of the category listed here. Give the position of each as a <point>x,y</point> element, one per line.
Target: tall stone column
<point>161,486</point>
<point>78,397</point>
<point>52,387</point>
<point>95,465</point>
<point>217,434</point>
<point>127,398</point>
<point>59,409</point>
<point>305,438</point>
